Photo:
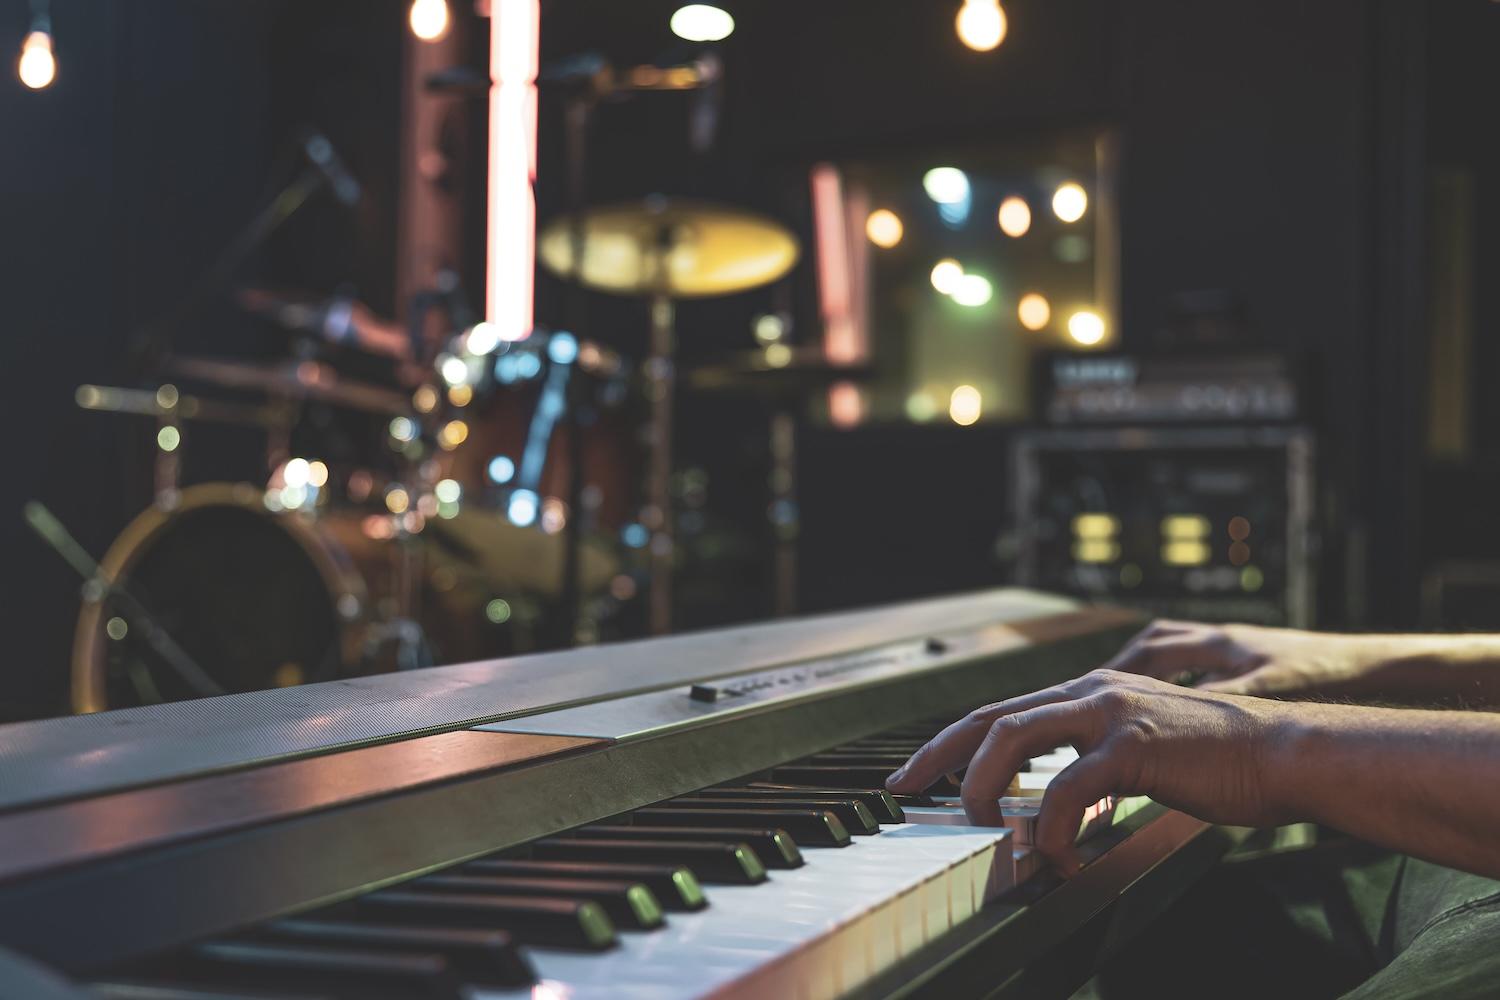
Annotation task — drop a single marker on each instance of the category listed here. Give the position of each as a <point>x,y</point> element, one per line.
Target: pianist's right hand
<point>1189,749</point>
<point>1420,782</point>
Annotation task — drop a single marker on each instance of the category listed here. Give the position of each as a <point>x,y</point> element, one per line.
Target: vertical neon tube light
<point>515,31</point>
<point>843,340</point>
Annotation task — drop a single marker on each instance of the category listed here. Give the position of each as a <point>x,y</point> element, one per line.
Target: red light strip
<point>839,288</point>
<point>515,38</point>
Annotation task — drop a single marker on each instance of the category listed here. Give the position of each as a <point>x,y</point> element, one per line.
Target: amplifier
<point>1115,389</point>
<point>1206,523</point>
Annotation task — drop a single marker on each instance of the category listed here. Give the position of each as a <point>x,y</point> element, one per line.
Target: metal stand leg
<point>658,514</point>
<point>784,513</point>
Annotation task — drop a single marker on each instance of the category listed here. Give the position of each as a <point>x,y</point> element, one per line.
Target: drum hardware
<point>665,250</point>
<point>304,380</point>
<point>170,408</point>
<point>338,319</point>
<point>100,586</point>
<point>323,167</point>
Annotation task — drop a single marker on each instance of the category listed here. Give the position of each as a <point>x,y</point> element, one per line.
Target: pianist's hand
<point>1276,662</point>
<point>1244,659</point>
<point>1192,750</point>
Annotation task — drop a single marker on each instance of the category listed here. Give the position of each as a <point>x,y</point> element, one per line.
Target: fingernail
<point>899,773</point>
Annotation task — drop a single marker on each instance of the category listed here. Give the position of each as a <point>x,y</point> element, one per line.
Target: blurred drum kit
<point>493,488</point>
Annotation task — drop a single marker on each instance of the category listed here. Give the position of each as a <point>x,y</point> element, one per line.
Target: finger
<point>1066,691</point>
<point>1161,628</point>
<point>951,749</point>
<point>1012,739</point>
<point>948,751</point>
<point>1070,793</point>
<point>1166,658</point>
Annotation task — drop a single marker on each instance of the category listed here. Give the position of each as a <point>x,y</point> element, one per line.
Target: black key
<point>775,848</point>
<point>345,972</point>
<point>675,887</point>
<point>561,923</point>
<point>490,958</point>
<point>809,827</point>
<point>914,800</point>
<point>881,803</point>
<point>629,904</point>
<point>851,812</point>
<point>732,864</point>
<point>833,776</point>
<point>856,758</point>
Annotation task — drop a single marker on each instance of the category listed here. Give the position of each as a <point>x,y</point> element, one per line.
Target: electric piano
<point>693,816</point>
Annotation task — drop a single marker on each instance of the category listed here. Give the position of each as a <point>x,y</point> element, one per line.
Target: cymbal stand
<point>658,514</point>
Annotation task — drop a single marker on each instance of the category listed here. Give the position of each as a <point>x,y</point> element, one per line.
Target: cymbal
<point>292,379</point>
<point>679,248</point>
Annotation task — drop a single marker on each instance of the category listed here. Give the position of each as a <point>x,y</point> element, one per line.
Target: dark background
<point>1279,152</point>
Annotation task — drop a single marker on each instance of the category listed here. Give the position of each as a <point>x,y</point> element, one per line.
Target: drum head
<point>238,591</point>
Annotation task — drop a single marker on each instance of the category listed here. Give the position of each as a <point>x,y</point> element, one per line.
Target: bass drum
<point>256,599</point>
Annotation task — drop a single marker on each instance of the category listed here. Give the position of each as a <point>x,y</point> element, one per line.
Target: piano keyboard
<point>695,816</point>
<point>760,888</point>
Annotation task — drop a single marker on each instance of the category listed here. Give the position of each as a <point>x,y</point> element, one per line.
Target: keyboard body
<point>145,832</point>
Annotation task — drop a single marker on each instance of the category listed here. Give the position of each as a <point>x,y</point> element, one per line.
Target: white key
<point>810,933</point>
<point>1051,763</point>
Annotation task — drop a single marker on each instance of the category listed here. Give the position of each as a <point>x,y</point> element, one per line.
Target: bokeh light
<point>946,274</point>
<point>1015,217</point>
<point>946,185</point>
<point>965,405</point>
<point>884,228</point>
<point>973,290</point>
<point>501,469</point>
<point>1069,202</point>
<point>1086,327</point>
<point>1034,311</point>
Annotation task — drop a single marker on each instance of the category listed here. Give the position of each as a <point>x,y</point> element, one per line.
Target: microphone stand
<point>156,337</point>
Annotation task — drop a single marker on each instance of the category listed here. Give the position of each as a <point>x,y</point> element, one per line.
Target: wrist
<point>1292,747</point>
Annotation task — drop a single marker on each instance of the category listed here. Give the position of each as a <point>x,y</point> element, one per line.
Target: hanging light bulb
<point>701,22</point>
<point>429,19</point>
<point>37,66</point>
<point>981,24</point>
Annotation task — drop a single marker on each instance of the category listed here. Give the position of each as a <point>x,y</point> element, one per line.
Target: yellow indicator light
<point>1184,526</point>
<point>1096,550</point>
<point>1185,553</point>
<point>1096,526</point>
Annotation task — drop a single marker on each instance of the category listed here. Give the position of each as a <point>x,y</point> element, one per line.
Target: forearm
<point>1459,670</point>
<point>1420,782</point>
